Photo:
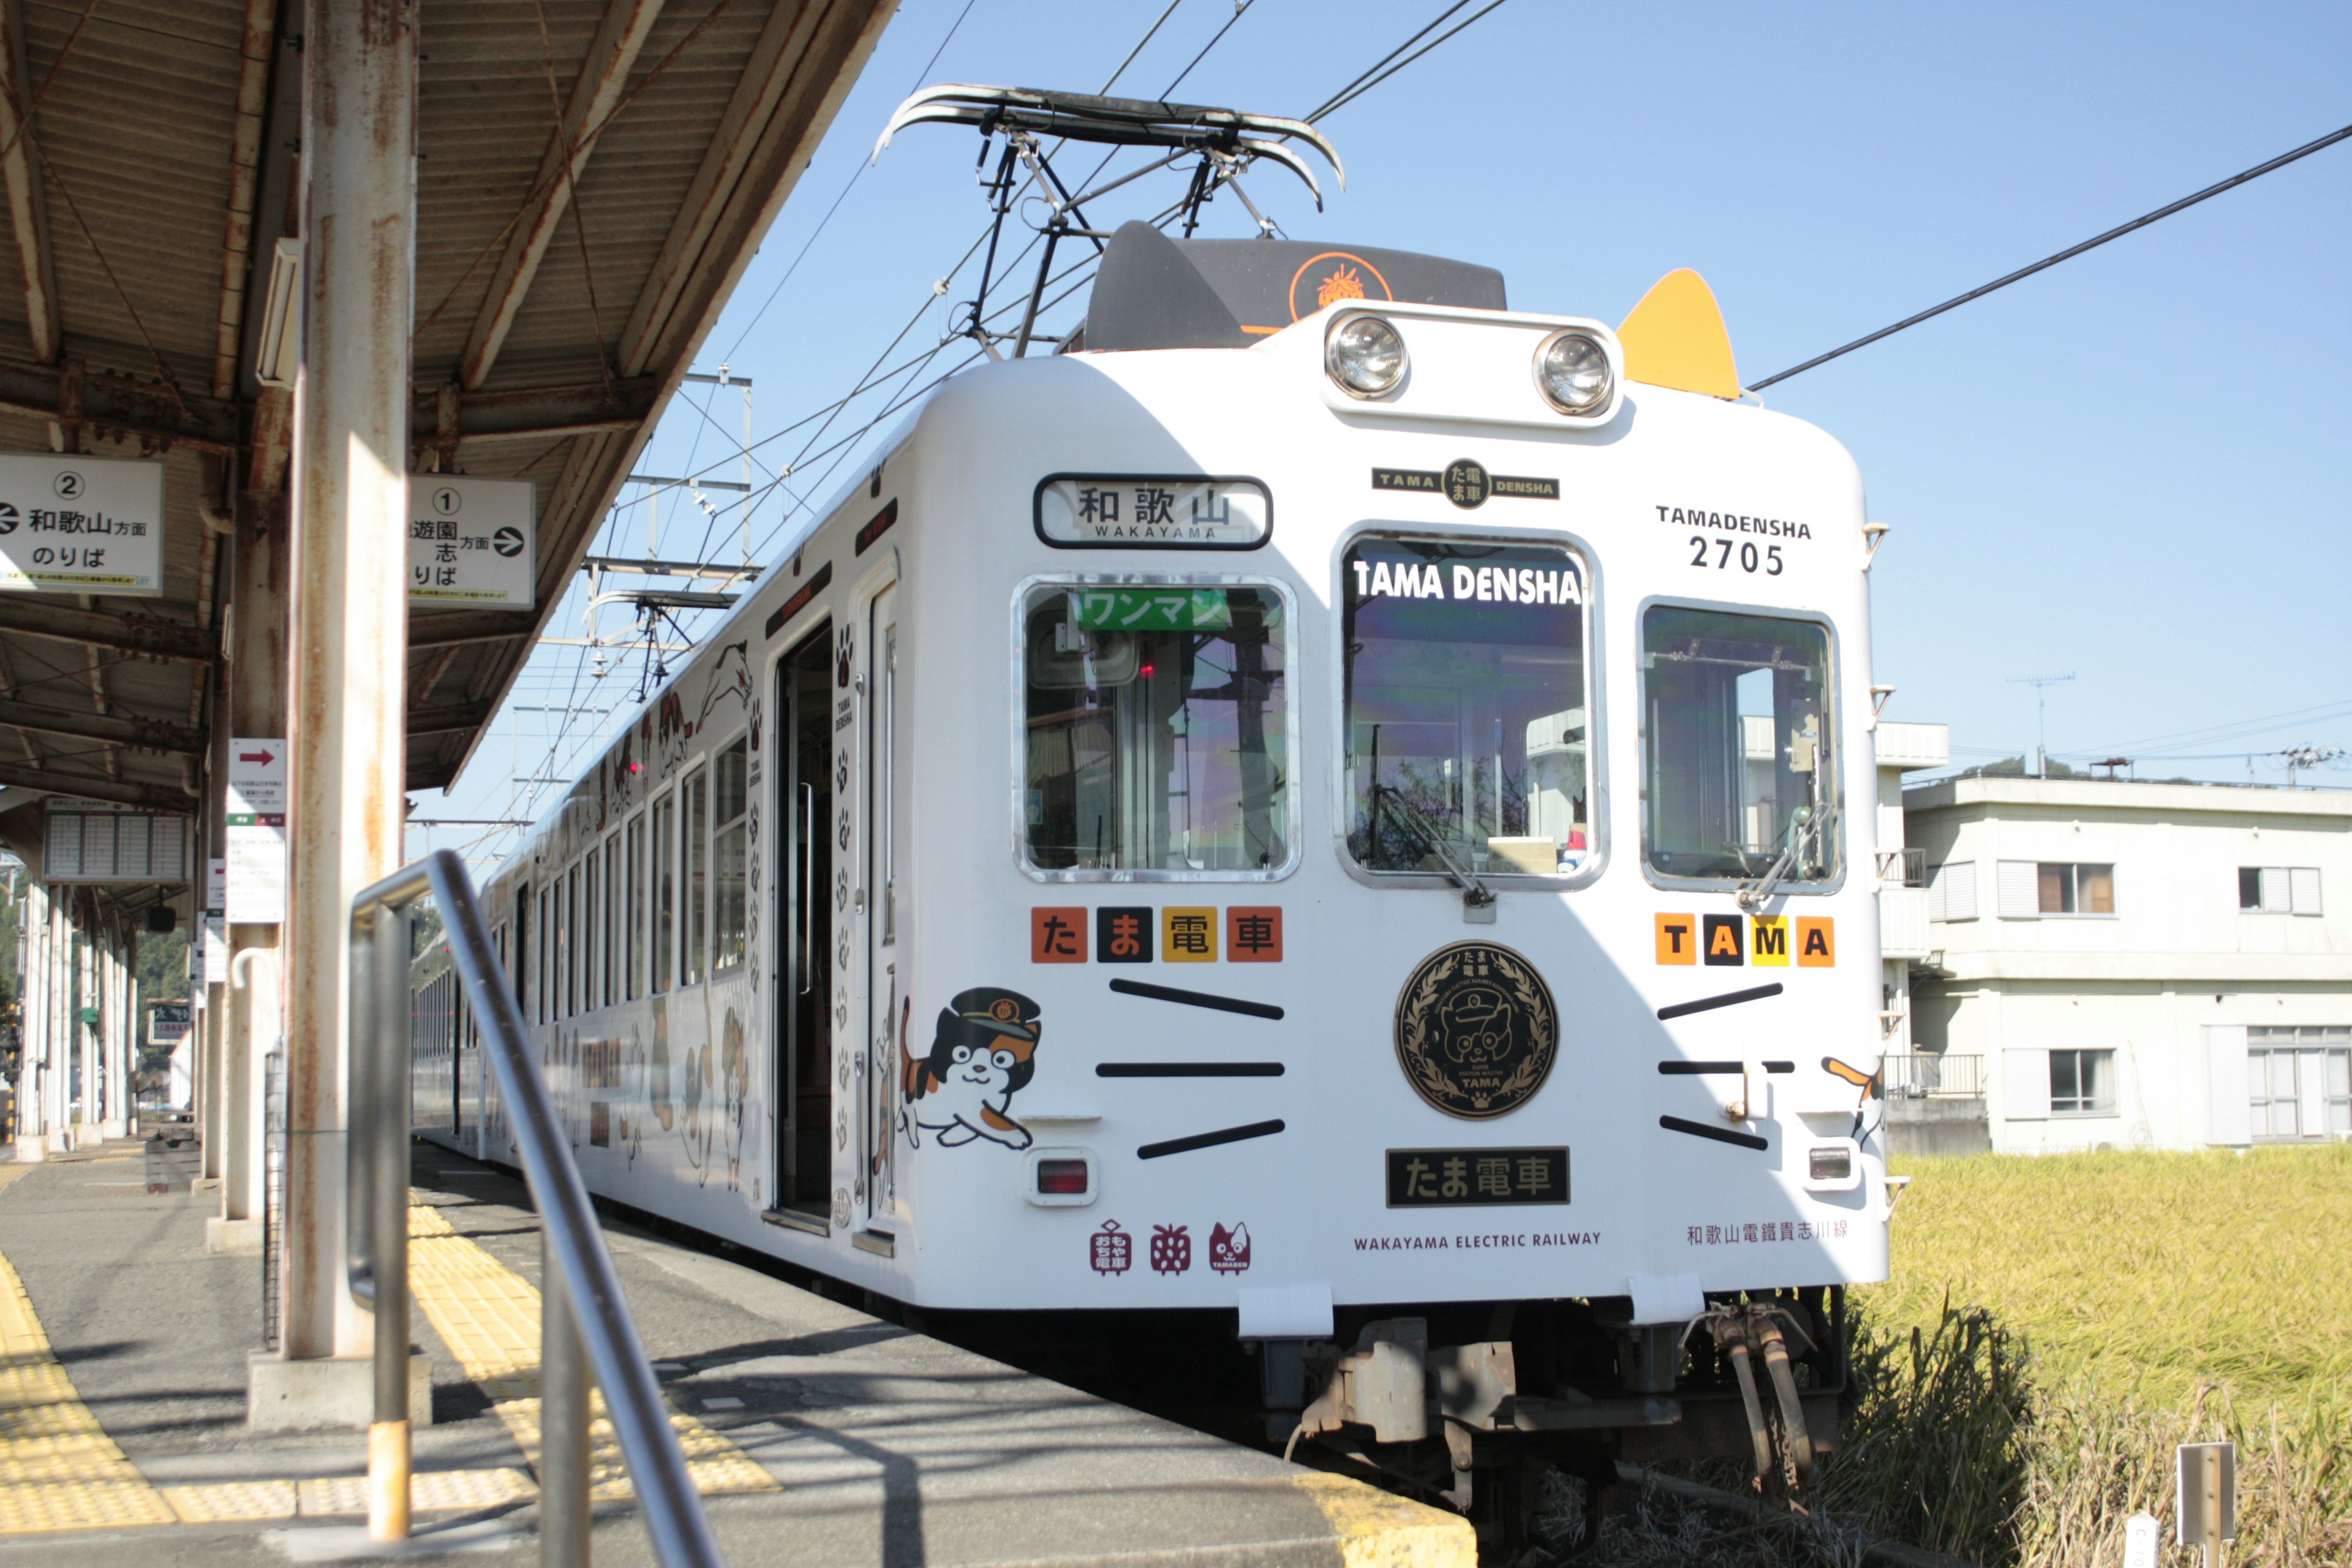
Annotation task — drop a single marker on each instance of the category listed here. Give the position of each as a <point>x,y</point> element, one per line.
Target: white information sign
<point>71,524</point>
<point>255,812</point>
<point>1159,511</point>
<point>470,542</point>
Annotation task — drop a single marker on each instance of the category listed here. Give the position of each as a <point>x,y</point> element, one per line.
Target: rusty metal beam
<point>620,37</point>
<point>469,626</point>
<point>50,780</point>
<point>448,721</point>
<point>152,636</point>
<point>114,729</point>
<point>20,172</point>
<point>245,173</point>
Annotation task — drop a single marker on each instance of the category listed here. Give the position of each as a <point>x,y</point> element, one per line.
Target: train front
<point>1440,931</point>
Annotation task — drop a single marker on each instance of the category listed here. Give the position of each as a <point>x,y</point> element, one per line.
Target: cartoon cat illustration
<point>981,1055</point>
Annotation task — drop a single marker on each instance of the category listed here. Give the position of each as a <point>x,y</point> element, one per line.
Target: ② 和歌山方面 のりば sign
<point>74,524</point>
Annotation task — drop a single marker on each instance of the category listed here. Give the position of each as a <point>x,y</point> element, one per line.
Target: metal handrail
<point>580,1290</point>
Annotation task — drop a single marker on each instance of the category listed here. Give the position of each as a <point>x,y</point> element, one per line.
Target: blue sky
<point>2121,468</point>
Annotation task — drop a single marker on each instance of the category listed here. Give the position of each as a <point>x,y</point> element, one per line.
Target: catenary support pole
<point>349,605</point>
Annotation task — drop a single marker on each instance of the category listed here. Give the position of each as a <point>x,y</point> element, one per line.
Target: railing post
<point>564,1400</point>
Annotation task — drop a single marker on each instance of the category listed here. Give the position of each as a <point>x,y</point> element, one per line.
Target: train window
<point>665,891</point>
<point>1157,729</point>
<point>546,970</point>
<point>694,966</point>
<point>731,857</point>
<point>591,929</point>
<point>1466,695</point>
<point>1738,775</point>
<point>633,911</point>
<point>609,937</point>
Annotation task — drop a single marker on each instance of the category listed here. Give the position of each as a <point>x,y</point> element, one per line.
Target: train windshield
<point>1466,702</point>
<point>1158,728</point>
<point>1738,766</point>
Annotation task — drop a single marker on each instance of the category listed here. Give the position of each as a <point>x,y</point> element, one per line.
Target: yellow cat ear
<point>1675,338</point>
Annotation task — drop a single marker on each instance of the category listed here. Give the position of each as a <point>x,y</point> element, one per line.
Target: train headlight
<point>1572,371</point>
<point>1365,355</point>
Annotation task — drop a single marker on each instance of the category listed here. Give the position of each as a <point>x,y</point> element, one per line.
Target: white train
<point>1326,806</point>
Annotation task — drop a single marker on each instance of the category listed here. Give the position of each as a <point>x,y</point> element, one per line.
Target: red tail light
<point>1064,1178</point>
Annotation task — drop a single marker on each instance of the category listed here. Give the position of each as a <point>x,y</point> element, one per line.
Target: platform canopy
<point>593,175</point>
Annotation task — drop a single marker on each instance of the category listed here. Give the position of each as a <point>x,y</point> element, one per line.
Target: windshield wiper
<point>1753,895</point>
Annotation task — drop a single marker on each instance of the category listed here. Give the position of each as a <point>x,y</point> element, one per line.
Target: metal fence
<point>585,1329</point>
<point>1930,1075</point>
<point>1905,867</point>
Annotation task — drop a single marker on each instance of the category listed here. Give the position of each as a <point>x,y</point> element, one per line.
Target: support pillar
<point>349,635</point>
<point>213,1108</point>
<point>33,1025</point>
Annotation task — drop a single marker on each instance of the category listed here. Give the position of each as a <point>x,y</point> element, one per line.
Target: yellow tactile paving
<point>215,1502</point>
<point>58,1470</point>
<point>488,1317</point>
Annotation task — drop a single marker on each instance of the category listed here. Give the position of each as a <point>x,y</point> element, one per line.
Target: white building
<point>2139,965</point>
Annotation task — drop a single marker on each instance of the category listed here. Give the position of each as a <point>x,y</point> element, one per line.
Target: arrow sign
<point>508,542</point>
<point>264,758</point>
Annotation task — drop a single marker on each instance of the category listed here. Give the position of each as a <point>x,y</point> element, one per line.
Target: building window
<point>1952,892</point>
<point>2300,1082</point>
<point>2067,889</point>
<point>731,855</point>
<point>2082,1083</point>
<point>1157,731</point>
<point>2278,890</point>
<point>1739,775</point>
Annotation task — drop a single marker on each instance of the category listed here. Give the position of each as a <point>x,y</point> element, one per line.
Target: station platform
<point>819,1435</point>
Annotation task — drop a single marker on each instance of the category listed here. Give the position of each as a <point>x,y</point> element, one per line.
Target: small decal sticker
<point>1724,947</point>
<point>983,1054</point>
<point>1816,942</point>
<point>1770,948</point>
<point>1111,1249</point>
<point>1057,935</point>
<point>1123,935</point>
<point>1171,1248</point>
<point>1188,936</point>
<point>1476,1031</point>
<point>1253,934</point>
<point>1677,939</point>
<point>1229,1250</point>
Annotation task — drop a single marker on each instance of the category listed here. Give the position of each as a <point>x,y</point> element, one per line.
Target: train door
<point>803,1069</point>
<point>885,979</point>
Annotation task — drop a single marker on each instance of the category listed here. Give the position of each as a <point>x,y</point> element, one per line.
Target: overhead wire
<point>1355,90</point>
<point>2233,183</point>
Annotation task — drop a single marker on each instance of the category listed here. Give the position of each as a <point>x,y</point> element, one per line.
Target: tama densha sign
<point>470,542</point>
<point>72,524</point>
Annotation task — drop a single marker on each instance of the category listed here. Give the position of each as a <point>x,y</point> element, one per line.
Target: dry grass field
<point>2054,1328</point>
<point>2129,1301</point>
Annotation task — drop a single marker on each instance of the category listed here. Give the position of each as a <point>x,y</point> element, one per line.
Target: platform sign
<point>470,542</point>
<point>255,820</point>
<point>71,524</point>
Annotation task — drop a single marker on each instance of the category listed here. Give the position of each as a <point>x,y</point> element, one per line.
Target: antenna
<point>2042,685</point>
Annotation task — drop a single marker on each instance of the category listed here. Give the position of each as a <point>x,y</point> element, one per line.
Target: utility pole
<point>2041,684</point>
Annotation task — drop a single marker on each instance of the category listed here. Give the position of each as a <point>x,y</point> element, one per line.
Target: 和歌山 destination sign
<point>73,524</point>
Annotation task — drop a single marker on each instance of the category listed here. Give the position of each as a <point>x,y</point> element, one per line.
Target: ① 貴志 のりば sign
<point>74,524</point>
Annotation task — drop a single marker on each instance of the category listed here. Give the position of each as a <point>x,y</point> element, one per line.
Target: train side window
<point>731,855</point>
<point>633,908</point>
<point>694,967</point>
<point>1466,691</point>
<point>1738,763</point>
<point>608,939</point>
<point>545,981</point>
<point>1157,729</point>
<point>665,891</point>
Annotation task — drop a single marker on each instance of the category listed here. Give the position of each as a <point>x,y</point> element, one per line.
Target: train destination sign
<point>470,542</point>
<point>1153,511</point>
<point>72,524</point>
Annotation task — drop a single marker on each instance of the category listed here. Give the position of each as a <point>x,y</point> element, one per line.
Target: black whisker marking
<point>1195,998</point>
<point>1209,1140</point>
<point>1728,999</point>
<point>1702,1069</point>
<point>1188,1070</point>
<point>1720,1134</point>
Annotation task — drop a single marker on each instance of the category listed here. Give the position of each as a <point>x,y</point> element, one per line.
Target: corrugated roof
<point>134,132</point>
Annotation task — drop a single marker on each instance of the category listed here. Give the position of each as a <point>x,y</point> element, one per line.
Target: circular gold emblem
<point>1476,1030</point>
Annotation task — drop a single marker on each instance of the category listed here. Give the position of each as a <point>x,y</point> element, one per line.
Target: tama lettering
<point>1734,522</point>
<point>1512,584</point>
<point>1768,941</point>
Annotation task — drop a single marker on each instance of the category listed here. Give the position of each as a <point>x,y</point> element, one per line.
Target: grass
<point>2074,1318</point>
<point>2054,1328</point>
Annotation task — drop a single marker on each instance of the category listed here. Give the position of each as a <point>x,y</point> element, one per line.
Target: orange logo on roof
<point>1331,276</point>
<point>1343,284</point>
